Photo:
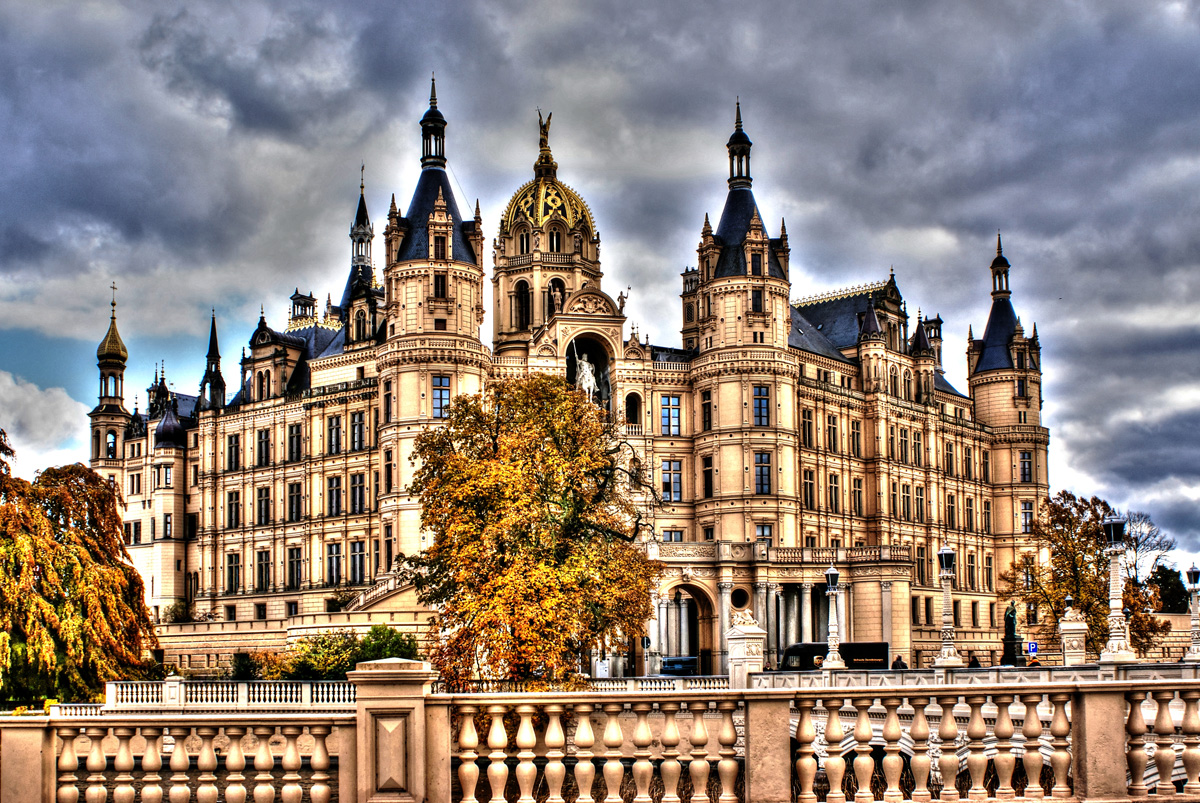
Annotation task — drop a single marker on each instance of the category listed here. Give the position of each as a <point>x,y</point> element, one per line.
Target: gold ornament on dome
<point>542,198</point>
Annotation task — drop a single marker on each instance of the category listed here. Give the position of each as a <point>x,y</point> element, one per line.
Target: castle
<point>786,436</point>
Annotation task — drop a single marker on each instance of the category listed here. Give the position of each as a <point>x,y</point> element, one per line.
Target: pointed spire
<point>433,90</point>
<point>739,153</point>
<point>870,324</point>
<point>707,229</point>
<point>213,352</point>
<point>433,132</point>
<point>392,210</point>
<point>970,333</point>
<point>112,348</point>
<point>921,345</point>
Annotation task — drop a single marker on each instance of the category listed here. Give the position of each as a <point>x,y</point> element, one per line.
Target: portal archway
<point>600,360</point>
<point>687,626</point>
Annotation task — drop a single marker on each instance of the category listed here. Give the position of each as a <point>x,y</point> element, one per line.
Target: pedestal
<point>1012,655</point>
<point>747,644</point>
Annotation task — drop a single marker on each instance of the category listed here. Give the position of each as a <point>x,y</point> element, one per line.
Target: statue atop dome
<point>544,131</point>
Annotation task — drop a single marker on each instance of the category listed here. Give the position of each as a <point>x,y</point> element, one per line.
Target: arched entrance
<point>687,631</point>
<point>597,357</point>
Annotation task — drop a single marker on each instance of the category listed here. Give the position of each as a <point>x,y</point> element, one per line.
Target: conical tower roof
<point>112,348</point>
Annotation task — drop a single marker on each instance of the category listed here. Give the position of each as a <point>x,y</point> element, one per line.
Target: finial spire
<point>114,300</point>
<point>433,90</point>
<point>362,178</point>
<point>738,113</point>
<point>999,247</point>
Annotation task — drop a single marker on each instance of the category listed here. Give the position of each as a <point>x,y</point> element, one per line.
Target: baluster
<point>643,769</point>
<point>1135,754</point>
<point>497,770</point>
<point>670,768</point>
<point>835,765</point>
<point>614,770</point>
<point>206,762</point>
<point>920,763</point>
<point>585,770</point>
<point>1032,759</point>
<point>864,765</point>
<point>1164,735</point>
<point>235,762</point>
<point>180,763</point>
<point>68,763</point>
<point>292,790</point>
<point>468,740</point>
<point>1191,741</point>
<point>892,763</point>
<point>806,761</point>
<point>1005,762</point>
<point>1060,759</point>
<point>96,764</point>
<point>698,766</point>
<point>556,740</point>
<point>727,767</point>
<point>320,792</point>
<point>264,762</point>
<point>526,771</point>
<point>123,764</point>
<point>976,760</point>
<point>948,736</point>
<point>152,791</point>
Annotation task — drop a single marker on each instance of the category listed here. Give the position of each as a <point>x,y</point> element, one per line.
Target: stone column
<point>654,629</point>
<point>773,648</point>
<point>885,598</point>
<point>723,592</point>
<point>685,634</point>
<point>791,627</point>
<point>678,629</point>
<point>844,623</point>
<point>663,647</point>
<point>806,620</point>
<point>760,603</point>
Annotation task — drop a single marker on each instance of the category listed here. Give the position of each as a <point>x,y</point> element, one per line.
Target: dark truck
<point>809,655</point>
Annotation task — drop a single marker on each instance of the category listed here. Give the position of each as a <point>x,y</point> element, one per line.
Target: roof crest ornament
<point>844,292</point>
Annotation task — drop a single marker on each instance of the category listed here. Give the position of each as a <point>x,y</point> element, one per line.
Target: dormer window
<point>360,326</point>
<point>1021,360</point>
<point>756,264</point>
<point>523,243</point>
<point>439,247</point>
<point>555,241</point>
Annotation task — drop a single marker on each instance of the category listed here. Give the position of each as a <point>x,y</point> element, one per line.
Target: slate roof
<point>805,336</point>
<point>670,354</point>
<point>740,208</point>
<point>838,318</point>
<point>940,383</point>
<point>1001,326</point>
<point>416,241</point>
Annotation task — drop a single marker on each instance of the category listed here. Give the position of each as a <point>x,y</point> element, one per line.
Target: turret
<point>110,416</point>
<point>212,386</point>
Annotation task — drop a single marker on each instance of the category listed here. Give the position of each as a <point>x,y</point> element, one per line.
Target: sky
<point>206,156</point>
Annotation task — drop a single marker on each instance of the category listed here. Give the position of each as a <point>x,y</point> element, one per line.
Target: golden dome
<point>539,199</point>
<point>112,347</point>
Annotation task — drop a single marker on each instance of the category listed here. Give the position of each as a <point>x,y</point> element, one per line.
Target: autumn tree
<point>534,503</point>
<point>1067,558</point>
<point>1174,594</point>
<point>1146,546</point>
<point>72,609</point>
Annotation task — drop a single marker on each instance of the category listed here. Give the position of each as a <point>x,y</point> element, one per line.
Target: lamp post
<point>1117,649</point>
<point>1193,578</point>
<point>949,655</point>
<point>833,659</point>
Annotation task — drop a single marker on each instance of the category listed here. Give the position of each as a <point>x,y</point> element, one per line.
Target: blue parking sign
<point>1033,648</point>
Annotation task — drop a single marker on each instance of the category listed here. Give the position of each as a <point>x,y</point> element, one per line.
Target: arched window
<point>555,241</point>
<point>688,313</point>
<point>110,444</point>
<point>523,242</point>
<point>908,386</point>
<point>360,325</point>
<point>96,445</point>
<point>522,306</point>
<point>264,385</point>
<point>894,383</point>
<point>633,409</point>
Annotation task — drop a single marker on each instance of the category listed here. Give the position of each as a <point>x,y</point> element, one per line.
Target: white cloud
<point>45,425</point>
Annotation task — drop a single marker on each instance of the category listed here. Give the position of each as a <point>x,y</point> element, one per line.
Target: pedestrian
<point>974,662</point>
<point>1034,662</point>
<point>899,662</point>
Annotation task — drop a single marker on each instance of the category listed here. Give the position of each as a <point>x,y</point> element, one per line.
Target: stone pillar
<point>760,604</point>
<point>1072,631</point>
<point>773,650</point>
<point>28,761</point>
<point>1098,745</point>
<point>723,592</point>
<point>806,620</point>
<point>885,598</point>
<point>746,647</point>
<point>844,623</point>
<point>663,646</point>
<point>654,629</point>
<point>791,628</point>
<point>685,634</point>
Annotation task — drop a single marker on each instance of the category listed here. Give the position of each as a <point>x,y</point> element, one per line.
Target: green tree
<point>382,642</point>
<point>1066,558</point>
<point>72,607</point>
<point>534,502</point>
<point>325,656</point>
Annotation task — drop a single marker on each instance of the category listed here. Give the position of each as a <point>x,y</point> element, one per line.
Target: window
<point>906,502</point>
<point>762,533</point>
<point>1021,388</point>
<point>971,572</point>
<point>1026,466</point>
<point>922,572</point>
<point>360,326</point>
<point>919,502</point>
<point>671,536</point>
<point>987,576</point>
<point>523,242</point>
<point>709,533</point>
<point>439,250</point>
<point>670,415</point>
<point>903,445</point>
<point>915,605</point>
<point>262,572</point>
<point>439,324</point>
<point>957,613</point>
<point>263,506</point>
<point>293,452</point>
<point>387,546</point>
<point>233,573</point>
<point>968,461</point>
<point>918,451</point>
<point>985,525</point>
<point>260,610</point>
<point>137,532</point>
<point>263,451</point>
<point>1027,517</point>
<point>358,431</point>
<point>387,402</point>
<point>555,239</point>
<point>233,509</point>
<point>929,610</point>
<point>1021,360</point>
<point>949,460</point>
<point>756,264</point>
<point>135,484</point>
<point>708,477</point>
<point>1022,417</point>
<point>762,406</point>
<point>441,395</point>
<point>334,508</point>
<point>439,282</point>
<point>167,529</point>
<point>985,468</point>
<point>1031,613</point>
<point>756,301</point>
<point>387,471</point>
<point>834,494</point>
<point>295,572</point>
<point>810,489</point>
<point>232,457</point>
<point>295,505</point>
<point>857,496</point>
<point>974,614</point>
<point>969,514</point>
<point>705,410</point>
<point>335,435</point>
<point>891,443</point>
<point>831,433</point>
<point>195,475</point>
<point>672,480</point>
<point>358,493</point>
<point>358,562</point>
<point>806,429</point>
<point>762,472</point>
<point>230,614</point>
<point>856,439</point>
<point>333,564</point>
<point>951,512</point>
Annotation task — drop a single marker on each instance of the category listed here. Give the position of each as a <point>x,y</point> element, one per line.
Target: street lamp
<point>949,655</point>
<point>833,659</point>
<point>1117,649</point>
<point>1193,578</point>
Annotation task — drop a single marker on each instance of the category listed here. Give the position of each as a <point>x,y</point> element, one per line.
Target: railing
<point>206,696</point>
<point>637,684</point>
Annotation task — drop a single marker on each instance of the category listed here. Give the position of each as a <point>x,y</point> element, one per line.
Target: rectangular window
<point>263,448</point>
<point>1031,613</point>
<point>1027,517</point>
<point>974,614</point>
<point>387,402</point>
<point>807,437</point>
<point>929,610</point>
<point>167,530</point>
<point>1021,388</point>
<point>756,301</point>
<point>294,453</point>
<point>439,324</point>
<point>706,410</point>
<point>903,445</point>
<point>230,616</point>
<point>358,562</point>
<point>233,509</point>
<point>672,536</point>
<point>293,608</point>
<point>831,433</point>
<point>670,415</point>
<point>233,573</point>
<point>919,502</point>
<point>195,475</point>
<point>335,435</point>
<point>762,472</point>
<point>957,613</point>
<point>295,504</point>
<point>263,505</point>
<point>672,480</point>
<point>388,548</point>
<point>856,439</point>
<point>969,514</point>
<point>295,571</point>
<point>857,496</point>
<point>763,533</point>
<point>985,525</point>
<point>358,431</point>
<point>906,502</point>
<point>1026,466</point>
<point>915,605</point>
<point>918,451</point>
<point>756,264</point>
<point>334,508</point>
<point>949,460</point>
<point>260,610</point>
<point>892,443</point>
<point>262,571</point>
<point>971,572</point>
<point>985,470</point>
<point>387,471</point>
<point>135,484</point>
<point>762,406</point>
<point>441,395</point>
<point>333,564</point>
<point>921,566</point>
<point>358,493</point>
<point>708,477</point>
<point>709,533</point>
<point>439,279</point>
<point>968,461</point>
<point>834,494</point>
<point>951,512</point>
<point>232,453</point>
<point>136,532</point>
<point>987,572</point>
<point>810,489</point>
